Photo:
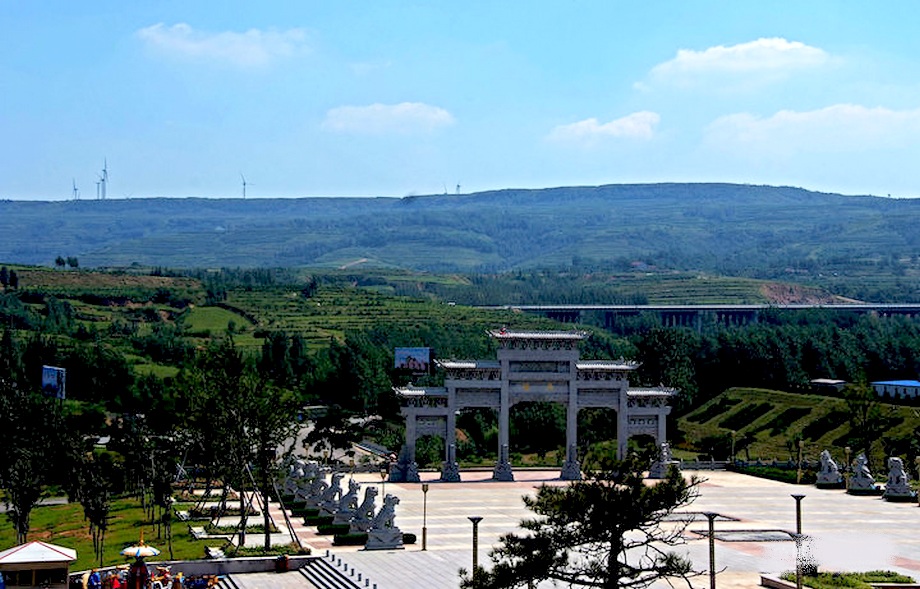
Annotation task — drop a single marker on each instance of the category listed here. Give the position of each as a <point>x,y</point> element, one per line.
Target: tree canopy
<point>605,531</point>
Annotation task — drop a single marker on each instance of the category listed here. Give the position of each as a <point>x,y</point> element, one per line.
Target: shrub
<point>332,529</point>
<point>318,520</point>
<point>358,539</point>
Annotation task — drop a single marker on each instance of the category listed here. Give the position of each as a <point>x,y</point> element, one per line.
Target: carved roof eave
<point>541,335</point>
<point>606,365</point>
<point>467,364</point>
<point>661,392</point>
<point>411,391</point>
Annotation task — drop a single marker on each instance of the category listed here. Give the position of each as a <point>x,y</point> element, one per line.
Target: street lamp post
<point>798,540</point>
<point>475,519</point>
<point>383,479</point>
<point>846,471</point>
<point>712,548</point>
<point>424,516</point>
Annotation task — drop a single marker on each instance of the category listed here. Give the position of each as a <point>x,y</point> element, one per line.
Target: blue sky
<point>382,98</point>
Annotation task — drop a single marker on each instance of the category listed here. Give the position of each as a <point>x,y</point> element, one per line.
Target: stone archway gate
<point>530,366</point>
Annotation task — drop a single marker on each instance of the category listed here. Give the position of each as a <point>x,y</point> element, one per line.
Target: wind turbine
<point>99,188</point>
<point>458,188</point>
<point>76,191</point>
<point>244,184</point>
<point>105,175</point>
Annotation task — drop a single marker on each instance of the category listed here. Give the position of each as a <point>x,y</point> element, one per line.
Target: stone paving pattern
<point>847,532</point>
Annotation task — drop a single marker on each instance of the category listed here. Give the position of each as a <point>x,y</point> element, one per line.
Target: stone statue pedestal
<point>898,488</point>
<point>659,469</point>
<point>861,481</point>
<point>405,470</point>
<point>384,539</point>
<point>450,470</point>
<point>344,516</point>
<point>502,471</point>
<point>404,473</point>
<point>571,471</point>
<point>829,475</point>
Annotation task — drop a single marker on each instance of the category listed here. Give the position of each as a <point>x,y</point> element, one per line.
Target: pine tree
<point>605,531</point>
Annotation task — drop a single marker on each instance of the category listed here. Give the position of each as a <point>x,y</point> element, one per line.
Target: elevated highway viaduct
<point>697,315</point>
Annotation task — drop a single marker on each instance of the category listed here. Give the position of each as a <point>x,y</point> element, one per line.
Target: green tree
<point>868,420</point>
<point>94,494</point>
<point>337,429</point>
<point>604,531</point>
<point>60,262</point>
<point>238,419</point>
<point>29,423</point>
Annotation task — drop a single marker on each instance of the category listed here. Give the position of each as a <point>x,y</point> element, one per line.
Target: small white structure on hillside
<point>36,565</point>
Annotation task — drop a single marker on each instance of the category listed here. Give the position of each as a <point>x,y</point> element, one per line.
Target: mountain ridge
<point>739,229</point>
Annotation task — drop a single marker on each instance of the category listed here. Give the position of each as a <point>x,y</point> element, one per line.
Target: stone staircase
<point>325,574</point>
<point>226,582</point>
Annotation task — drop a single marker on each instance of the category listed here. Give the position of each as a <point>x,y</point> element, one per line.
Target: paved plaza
<point>847,532</point>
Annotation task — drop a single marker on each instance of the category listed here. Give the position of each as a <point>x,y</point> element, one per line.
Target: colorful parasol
<point>140,550</point>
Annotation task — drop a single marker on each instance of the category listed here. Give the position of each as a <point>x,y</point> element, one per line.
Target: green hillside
<point>722,229</point>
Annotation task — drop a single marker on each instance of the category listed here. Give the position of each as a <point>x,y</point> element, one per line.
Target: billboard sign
<point>54,380</point>
<point>415,360</point>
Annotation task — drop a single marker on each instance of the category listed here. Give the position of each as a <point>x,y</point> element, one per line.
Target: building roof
<point>898,383</point>
<point>34,552</point>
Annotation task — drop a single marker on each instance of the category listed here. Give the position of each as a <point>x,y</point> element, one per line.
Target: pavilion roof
<point>35,552</point>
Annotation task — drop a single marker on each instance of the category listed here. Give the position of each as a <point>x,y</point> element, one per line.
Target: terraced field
<point>334,310</point>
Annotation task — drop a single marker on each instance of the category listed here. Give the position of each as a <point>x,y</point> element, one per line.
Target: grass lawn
<point>64,525</point>
<point>213,319</point>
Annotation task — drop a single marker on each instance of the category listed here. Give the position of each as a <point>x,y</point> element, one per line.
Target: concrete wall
<point>221,566</point>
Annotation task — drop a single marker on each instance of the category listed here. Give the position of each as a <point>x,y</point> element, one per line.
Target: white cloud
<point>770,57</point>
<point>638,125</point>
<point>252,48</point>
<point>405,117</point>
<point>837,128</point>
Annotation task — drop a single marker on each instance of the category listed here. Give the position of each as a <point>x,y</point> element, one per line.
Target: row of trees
<point>784,351</point>
<point>220,414</point>
<point>62,262</point>
<point>8,278</point>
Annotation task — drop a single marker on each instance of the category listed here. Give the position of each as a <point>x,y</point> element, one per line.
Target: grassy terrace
<point>774,417</point>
